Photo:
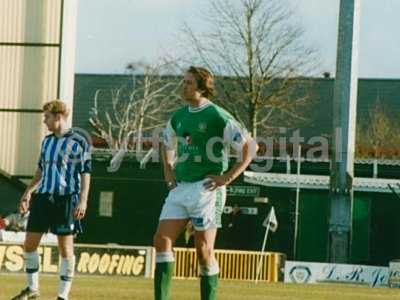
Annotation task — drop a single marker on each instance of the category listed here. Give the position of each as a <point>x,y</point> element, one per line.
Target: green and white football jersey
<point>201,138</point>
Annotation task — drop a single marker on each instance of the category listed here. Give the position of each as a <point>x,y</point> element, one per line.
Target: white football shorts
<point>191,200</point>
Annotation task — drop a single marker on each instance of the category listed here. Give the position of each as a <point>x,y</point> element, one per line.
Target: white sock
<point>66,274</point>
<point>165,257</point>
<point>32,270</point>
<point>209,270</point>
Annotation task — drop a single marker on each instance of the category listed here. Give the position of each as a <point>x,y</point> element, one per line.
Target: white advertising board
<point>19,237</point>
<point>306,272</point>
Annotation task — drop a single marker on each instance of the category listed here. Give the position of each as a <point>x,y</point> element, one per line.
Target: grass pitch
<point>124,288</point>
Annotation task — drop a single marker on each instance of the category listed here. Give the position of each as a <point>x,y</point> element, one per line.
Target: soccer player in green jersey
<point>195,157</point>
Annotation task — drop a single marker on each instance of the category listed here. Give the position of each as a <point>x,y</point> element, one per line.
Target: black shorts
<point>54,213</point>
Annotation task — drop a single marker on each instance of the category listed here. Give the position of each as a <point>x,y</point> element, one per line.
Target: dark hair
<point>204,80</point>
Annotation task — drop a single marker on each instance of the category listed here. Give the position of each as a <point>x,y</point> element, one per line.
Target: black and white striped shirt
<point>62,160</point>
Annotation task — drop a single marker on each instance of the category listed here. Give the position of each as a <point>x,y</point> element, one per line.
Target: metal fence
<point>234,265</point>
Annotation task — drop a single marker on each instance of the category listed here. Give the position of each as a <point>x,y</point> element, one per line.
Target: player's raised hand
<point>24,203</point>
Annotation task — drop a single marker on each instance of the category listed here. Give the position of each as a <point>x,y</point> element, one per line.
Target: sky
<point>112,33</point>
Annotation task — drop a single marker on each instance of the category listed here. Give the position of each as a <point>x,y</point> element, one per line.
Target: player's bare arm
<point>80,209</point>
<point>248,153</point>
<point>168,157</point>
<point>26,197</point>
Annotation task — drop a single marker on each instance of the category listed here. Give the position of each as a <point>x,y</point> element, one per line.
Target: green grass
<point>121,288</point>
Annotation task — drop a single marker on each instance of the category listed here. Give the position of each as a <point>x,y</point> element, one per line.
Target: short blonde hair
<point>56,107</point>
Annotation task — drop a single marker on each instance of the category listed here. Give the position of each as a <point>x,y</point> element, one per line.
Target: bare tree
<point>138,109</point>
<point>379,137</point>
<point>260,53</point>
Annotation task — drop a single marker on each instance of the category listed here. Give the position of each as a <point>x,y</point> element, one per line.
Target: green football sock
<point>208,287</point>
<point>162,280</point>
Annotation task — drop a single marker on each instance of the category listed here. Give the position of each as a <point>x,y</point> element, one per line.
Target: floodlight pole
<point>297,209</point>
<point>344,129</point>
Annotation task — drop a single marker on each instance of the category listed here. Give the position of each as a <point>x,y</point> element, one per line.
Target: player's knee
<point>67,254</point>
<point>161,243</point>
<point>66,251</point>
<point>204,253</point>
<point>30,246</point>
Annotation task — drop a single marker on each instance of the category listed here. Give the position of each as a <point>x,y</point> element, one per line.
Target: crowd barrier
<point>234,265</point>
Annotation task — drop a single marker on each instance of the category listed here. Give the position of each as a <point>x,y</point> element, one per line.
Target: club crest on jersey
<point>202,127</point>
<point>188,138</point>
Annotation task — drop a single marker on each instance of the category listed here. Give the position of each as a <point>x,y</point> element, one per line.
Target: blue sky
<point>112,33</point>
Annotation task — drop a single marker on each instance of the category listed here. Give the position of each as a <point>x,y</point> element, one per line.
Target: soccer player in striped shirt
<point>56,197</point>
<point>195,156</point>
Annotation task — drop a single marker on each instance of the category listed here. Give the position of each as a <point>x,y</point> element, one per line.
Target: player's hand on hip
<point>170,185</point>
<point>24,203</point>
<point>80,210</point>
<point>170,180</point>
<point>213,181</point>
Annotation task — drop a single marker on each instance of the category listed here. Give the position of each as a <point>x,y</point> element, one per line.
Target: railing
<point>234,265</point>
